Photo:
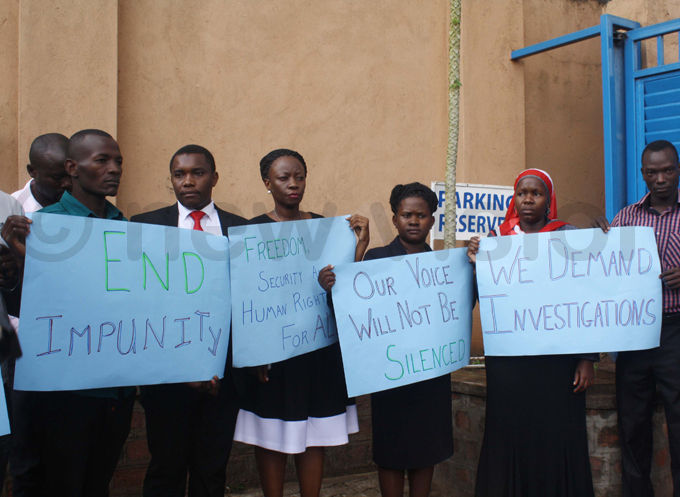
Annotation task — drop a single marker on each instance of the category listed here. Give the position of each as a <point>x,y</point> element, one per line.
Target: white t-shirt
<point>26,198</point>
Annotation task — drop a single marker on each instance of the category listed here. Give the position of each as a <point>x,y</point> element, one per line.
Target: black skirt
<point>412,425</point>
<point>304,404</point>
<point>535,441</point>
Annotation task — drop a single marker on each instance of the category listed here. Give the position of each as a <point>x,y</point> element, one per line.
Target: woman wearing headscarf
<point>535,439</point>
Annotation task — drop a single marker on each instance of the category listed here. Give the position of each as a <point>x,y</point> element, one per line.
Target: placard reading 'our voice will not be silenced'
<point>403,320</point>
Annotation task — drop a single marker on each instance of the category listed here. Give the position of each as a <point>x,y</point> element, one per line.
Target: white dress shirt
<point>210,222</point>
<point>9,206</point>
<point>26,198</point>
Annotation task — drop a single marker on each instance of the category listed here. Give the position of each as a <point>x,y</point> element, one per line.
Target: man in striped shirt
<point>639,372</point>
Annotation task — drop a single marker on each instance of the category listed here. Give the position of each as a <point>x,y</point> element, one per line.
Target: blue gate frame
<point>623,99</point>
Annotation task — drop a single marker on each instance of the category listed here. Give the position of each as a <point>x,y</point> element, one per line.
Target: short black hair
<point>400,192</point>
<point>658,146</point>
<point>47,143</point>
<point>77,139</point>
<point>195,149</point>
<point>268,160</point>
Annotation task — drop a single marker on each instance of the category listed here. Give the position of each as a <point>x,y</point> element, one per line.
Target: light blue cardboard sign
<point>109,303</point>
<point>280,310</point>
<point>403,320</point>
<point>4,417</point>
<point>570,292</point>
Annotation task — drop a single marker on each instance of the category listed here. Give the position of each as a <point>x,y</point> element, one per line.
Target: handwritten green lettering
<point>106,257</point>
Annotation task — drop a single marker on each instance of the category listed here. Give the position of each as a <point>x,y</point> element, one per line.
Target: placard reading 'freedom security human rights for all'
<point>121,304</point>
<point>570,292</point>
<point>279,308</point>
<point>403,320</point>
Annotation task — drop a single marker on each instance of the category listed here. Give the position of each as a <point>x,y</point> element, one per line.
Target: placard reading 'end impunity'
<point>124,304</point>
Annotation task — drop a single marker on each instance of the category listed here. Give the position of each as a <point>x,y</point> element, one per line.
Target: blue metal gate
<point>639,104</point>
<point>652,100</point>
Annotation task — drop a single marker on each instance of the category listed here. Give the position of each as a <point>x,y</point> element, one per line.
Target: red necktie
<point>197,216</point>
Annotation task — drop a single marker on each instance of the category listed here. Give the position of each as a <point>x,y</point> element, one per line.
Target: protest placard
<point>109,303</point>
<point>569,292</point>
<point>4,416</point>
<point>279,308</point>
<point>404,319</point>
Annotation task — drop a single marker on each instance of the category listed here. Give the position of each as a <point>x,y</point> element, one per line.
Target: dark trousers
<point>66,444</point>
<point>6,440</point>
<point>188,431</point>
<point>638,373</point>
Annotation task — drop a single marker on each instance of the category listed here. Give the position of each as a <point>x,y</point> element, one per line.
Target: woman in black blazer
<point>412,425</point>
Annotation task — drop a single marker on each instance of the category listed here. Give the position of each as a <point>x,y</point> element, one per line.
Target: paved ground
<point>342,486</point>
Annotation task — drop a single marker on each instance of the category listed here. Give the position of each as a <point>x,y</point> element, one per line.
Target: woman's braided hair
<point>400,192</point>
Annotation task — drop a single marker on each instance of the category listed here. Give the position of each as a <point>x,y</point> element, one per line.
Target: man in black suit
<point>190,427</point>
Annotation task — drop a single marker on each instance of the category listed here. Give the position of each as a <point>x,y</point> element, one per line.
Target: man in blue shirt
<point>68,443</point>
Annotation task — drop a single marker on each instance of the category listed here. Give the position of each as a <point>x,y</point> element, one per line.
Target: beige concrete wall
<point>492,140</point>
<point>67,69</point>
<point>563,105</point>
<point>9,89</point>
<point>359,88</point>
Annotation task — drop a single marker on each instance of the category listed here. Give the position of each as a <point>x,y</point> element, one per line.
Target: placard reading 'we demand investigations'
<point>109,303</point>
<point>279,308</point>
<point>404,319</point>
<point>570,292</point>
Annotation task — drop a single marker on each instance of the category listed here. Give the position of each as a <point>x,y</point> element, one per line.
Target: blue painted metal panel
<point>670,135</point>
<point>662,98</point>
<point>660,111</point>
<point>660,85</point>
<point>653,108</point>
<point>614,117</point>
<point>632,62</point>
<point>640,142</point>
<point>561,41</point>
<point>666,123</point>
<point>654,122</point>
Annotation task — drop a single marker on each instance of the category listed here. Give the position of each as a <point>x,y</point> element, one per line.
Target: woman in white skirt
<point>298,406</point>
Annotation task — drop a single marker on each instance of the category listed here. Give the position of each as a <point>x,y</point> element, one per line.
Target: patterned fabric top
<point>667,231</point>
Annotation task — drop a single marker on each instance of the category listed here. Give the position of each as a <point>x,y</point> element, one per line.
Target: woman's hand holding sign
<point>584,376</point>
<point>327,278</point>
<point>473,248</point>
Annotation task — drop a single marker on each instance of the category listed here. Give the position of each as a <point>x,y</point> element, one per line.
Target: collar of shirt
<point>26,198</point>
<point>69,205</point>
<point>210,222</point>
<point>646,204</point>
